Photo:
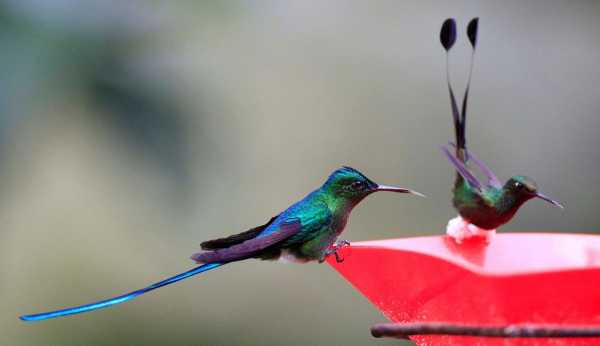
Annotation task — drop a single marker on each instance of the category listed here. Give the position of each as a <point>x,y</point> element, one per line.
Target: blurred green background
<point>131,131</point>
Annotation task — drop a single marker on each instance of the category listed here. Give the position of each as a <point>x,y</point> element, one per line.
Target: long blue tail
<point>122,298</point>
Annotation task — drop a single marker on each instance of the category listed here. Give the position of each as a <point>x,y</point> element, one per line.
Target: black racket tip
<point>448,33</point>
<point>472,30</point>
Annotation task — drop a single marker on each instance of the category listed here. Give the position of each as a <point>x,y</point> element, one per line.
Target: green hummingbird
<point>306,231</point>
<point>481,206</point>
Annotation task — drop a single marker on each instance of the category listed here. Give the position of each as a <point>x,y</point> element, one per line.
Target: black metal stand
<point>404,330</point>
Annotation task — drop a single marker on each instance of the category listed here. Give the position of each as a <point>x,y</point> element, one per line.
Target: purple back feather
<point>492,178</point>
<point>251,247</point>
<point>462,169</point>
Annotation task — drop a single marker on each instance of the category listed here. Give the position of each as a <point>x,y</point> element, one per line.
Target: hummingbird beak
<point>398,190</point>
<point>549,200</point>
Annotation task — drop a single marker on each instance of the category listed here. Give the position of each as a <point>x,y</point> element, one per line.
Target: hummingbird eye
<point>357,185</point>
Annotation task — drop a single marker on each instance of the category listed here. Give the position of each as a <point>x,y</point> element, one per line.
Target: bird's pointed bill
<point>549,200</point>
<point>398,189</point>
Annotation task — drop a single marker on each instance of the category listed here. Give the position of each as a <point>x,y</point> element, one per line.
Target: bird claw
<point>334,251</point>
<point>341,243</point>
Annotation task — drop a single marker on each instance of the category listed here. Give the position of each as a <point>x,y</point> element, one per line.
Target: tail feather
<point>472,29</point>
<point>459,129</point>
<point>448,37</point>
<point>122,298</point>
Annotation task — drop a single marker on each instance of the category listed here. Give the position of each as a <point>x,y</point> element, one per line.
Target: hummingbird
<point>482,207</point>
<point>306,231</point>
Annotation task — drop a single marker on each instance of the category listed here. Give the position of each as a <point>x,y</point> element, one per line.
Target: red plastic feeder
<point>519,278</point>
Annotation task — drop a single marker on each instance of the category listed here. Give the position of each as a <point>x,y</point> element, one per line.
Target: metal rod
<point>404,330</point>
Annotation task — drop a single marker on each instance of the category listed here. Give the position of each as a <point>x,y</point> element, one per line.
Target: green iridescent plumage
<point>492,206</point>
<point>319,218</point>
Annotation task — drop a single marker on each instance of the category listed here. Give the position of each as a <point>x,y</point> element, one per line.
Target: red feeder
<point>524,278</point>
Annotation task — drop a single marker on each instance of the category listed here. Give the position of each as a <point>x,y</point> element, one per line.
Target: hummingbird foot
<point>460,230</point>
<point>333,250</point>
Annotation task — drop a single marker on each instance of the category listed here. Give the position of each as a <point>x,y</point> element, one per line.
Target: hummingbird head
<point>525,188</point>
<point>351,184</point>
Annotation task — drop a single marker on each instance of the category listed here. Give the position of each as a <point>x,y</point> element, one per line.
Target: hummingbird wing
<point>226,242</point>
<point>463,170</point>
<point>315,219</point>
<point>493,180</point>
<point>251,247</point>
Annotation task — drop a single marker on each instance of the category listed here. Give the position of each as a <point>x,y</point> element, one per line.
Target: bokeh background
<point>132,130</point>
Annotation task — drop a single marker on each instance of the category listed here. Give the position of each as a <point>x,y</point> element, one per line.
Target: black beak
<point>549,200</point>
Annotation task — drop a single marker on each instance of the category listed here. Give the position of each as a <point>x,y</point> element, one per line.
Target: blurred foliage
<point>53,48</point>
